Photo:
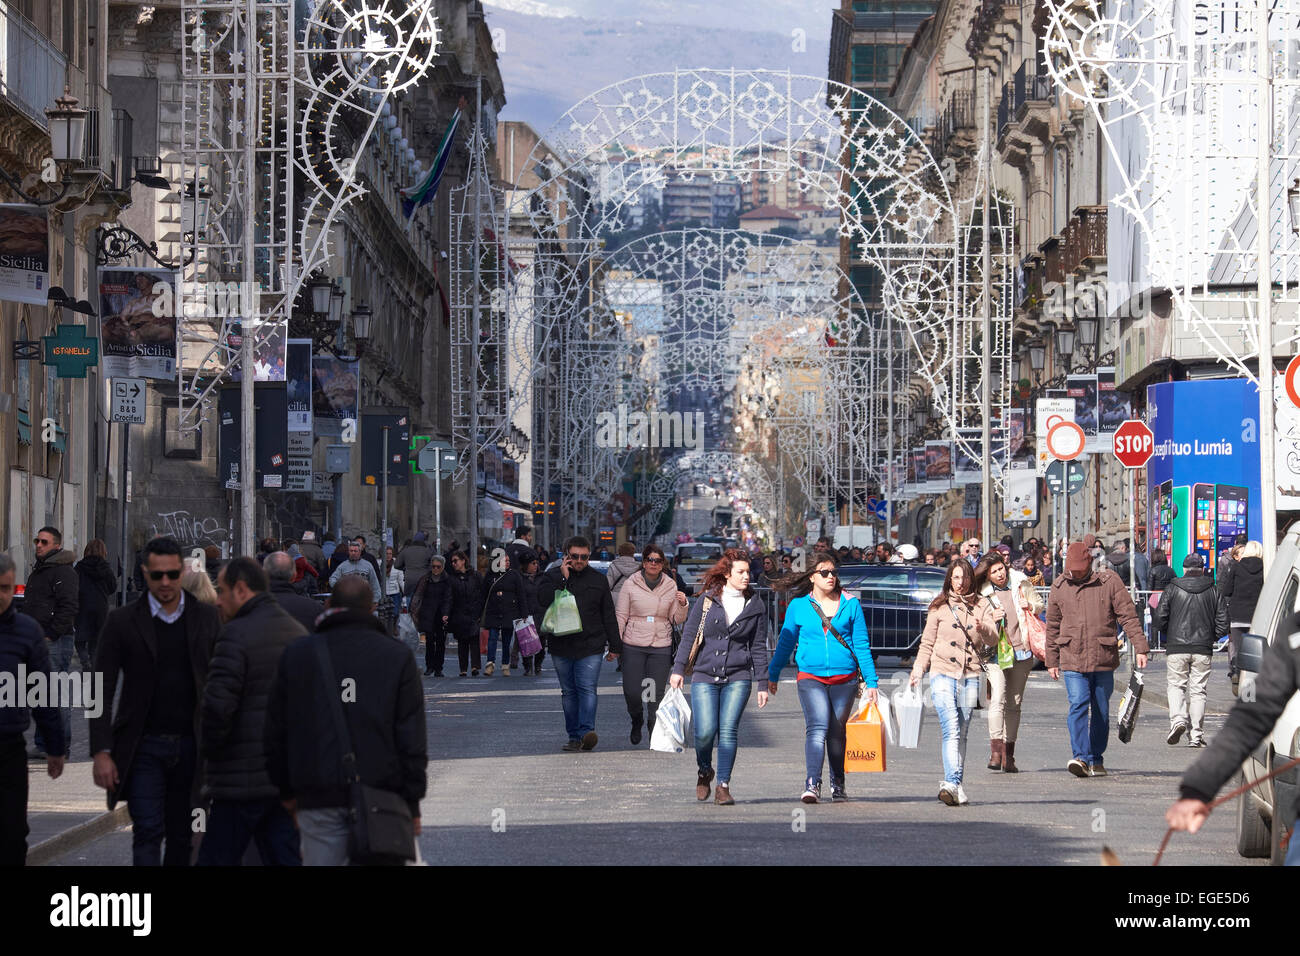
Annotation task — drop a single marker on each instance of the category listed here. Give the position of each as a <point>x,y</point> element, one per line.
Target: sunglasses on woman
<point>828,574</point>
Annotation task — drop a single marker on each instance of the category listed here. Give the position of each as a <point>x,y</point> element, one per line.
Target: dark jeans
<point>826,710</point>
<point>506,637</point>
<point>233,823</point>
<point>641,664</point>
<point>435,649</point>
<point>467,645</point>
<point>60,663</point>
<point>1235,635</point>
<point>160,785</point>
<point>13,800</point>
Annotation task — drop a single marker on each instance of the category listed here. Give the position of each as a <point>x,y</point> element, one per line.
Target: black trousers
<point>467,646</point>
<point>13,801</point>
<point>435,648</point>
<point>641,664</point>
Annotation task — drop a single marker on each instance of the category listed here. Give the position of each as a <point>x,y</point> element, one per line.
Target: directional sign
<point>882,510</point>
<point>1066,477</point>
<point>1134,443</point>
<point>130,396</point>
<point>1075,478</point>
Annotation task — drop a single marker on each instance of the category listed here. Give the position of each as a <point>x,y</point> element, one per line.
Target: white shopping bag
<point>406,630</point>
<point>672,723</point>
<point>908,706</point>
<point>887,718</point>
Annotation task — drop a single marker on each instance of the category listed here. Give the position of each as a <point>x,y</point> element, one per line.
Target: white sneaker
<point>505,670</point>
<point>962,799</point>
<point>948,793</point>
<point>489,668</point>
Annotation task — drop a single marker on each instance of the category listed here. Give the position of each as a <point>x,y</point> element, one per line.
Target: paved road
<point>500,791</point>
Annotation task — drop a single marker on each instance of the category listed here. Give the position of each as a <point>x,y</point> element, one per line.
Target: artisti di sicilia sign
<point>70,351</point>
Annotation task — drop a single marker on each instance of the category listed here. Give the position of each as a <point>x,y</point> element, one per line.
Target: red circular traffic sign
<point>1065,441</point>
<point>1134,443</point>
<point>1292,372</point>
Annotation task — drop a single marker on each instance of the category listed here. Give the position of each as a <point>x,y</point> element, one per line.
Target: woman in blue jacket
<point>827,633</point>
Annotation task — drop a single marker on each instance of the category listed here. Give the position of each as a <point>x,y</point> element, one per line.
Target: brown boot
<point>722,795</point>
<point>1009,759</point>
<point>995,754</point>
<point>702,785</point>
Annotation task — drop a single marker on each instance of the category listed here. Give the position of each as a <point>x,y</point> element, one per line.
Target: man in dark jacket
<point>383,708</point>
<point>146,753</point>
<point>413,560</point>
<point>1085,609</point>
<point>245,804</point>
<point>520,547</point>
<point>51,599</point>
<point>22,647</point>
<point>1193,615</point>
<point>1249,723</point>
<point>577,656</point>
<point>312,552</point>
<point>279,568</point>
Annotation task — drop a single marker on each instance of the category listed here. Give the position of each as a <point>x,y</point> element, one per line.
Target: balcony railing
<point>1084,238</point>
<point>1017,93</point>
<point>33,72</point>
<point>957,115</point>
<point>108,146</point>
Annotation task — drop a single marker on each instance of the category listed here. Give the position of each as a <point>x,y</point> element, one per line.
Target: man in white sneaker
<point>1193,615</point>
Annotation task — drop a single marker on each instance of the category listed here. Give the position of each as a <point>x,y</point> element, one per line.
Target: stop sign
<point>1134,443</point>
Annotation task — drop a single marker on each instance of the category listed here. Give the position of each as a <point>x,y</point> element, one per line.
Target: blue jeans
<point>826,710</point>
<point>578,677</point>
<point>61,662</point>
<point>233,823</point>
<point>1089,716</point>
<point>506,636</point>
<point>954,701</point>
<point>717,710</point>
<point>159,785</point>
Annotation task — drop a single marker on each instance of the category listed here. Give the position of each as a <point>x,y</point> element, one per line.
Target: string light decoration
<point>279,182</point>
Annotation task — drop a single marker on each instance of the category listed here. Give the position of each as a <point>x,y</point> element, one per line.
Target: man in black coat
<point>383,709</point>
<point>51,599</point>
<point>519,548</point>
<point>22,645</point>
<point>1193,615</point>
<point>279,568</point>
<point>577,656</point>
<point>245,804</point>
<point>413,560</point>
<point>146,752</point>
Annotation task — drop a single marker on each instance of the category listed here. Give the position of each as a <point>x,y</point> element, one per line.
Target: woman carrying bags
<point>725,641</point>
<point>1009,590</point>
<point>827,633</point>
<point>505,603</point>
<point>958,627</point>
<point>647,607</point>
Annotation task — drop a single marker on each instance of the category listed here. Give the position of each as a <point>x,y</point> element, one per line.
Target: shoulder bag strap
<point>699,637</point>
<point>826,622</point>
<point>350,775</point>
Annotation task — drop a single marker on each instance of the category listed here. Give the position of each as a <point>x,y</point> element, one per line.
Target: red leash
<point>1231,796</point>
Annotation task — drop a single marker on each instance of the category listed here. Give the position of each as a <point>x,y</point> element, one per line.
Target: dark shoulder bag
<point>381,827</point>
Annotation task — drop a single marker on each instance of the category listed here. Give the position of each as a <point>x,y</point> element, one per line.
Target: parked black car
<point>894,600</point>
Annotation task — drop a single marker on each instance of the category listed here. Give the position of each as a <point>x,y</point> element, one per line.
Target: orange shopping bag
<point>865,747</point>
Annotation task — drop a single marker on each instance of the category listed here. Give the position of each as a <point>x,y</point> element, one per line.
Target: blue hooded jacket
<point>819,653</point>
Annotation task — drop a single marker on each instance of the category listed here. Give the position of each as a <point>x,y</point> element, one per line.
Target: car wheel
<point>1252,832</point>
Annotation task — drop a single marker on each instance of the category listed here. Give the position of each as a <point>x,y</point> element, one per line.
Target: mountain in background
<point>555,55</point>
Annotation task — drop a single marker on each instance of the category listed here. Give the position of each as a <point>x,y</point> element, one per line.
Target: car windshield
<point>699,552</point>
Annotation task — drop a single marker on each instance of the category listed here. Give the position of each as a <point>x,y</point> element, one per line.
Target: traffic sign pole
<point>1133,445</point>
<point>127,559</point>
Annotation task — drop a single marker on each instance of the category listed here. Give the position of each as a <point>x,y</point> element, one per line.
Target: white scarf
<point>733,602</point>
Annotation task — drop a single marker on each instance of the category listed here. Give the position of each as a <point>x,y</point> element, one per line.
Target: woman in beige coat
<point>648,605</point>
<point>959,628</point>
<point>1009,589</point>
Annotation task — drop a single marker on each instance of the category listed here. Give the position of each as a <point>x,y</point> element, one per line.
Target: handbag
<point>526,636</point>
<point>698,643</point>
<point>381,828</point>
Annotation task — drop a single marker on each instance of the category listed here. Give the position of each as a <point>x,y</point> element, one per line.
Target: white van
<point>693,558</point>
<point>1278,599</point>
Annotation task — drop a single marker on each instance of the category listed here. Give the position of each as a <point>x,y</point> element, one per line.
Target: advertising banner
<point>938,466</point>
<point>335,387</point>
<point>270,454</point>
<point>1203,479</point>
<point>1020,507</point>
<point>270,362</point>
<point>1016,445</point>
<point>24,254</point>
<point>967,468</point>
<point>134,341</point>
<point>297,386</point>
<point>1047,410</point>
<point>1083,389</point>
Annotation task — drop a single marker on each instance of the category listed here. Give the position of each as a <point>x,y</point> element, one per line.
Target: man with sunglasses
<point>577,656</point>
<point>145,750</point>
<point>51,597</point>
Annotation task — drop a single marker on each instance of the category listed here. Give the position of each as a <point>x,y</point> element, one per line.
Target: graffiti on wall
<point>189,529</point>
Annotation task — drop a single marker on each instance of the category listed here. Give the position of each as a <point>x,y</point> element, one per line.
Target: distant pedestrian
<point>96,585</point>
<point>1010,591</point>
<point>1194,615</point>
<point>327,547</point>
<point>383,710</point>
<point>279,568</point>
<point>959,627</point>
<point>245,803</point>
<point>466,609</point>
<point>647,608</point>
<point>826,631</point>
<point>22,645</point>
<point>196,582</point>
<point>1084,612</point>
<point>145,749</point>
<point>1161,577</point>
<point>52,600</point>
<point>394,590</point>
<point>430,610</point>
<point>355,564</point>
<point>532,579</point>
<point>1033,573</point>
<point>577,656</point>
<point>731,621</point>
<point>521,547</point>
<point>622,568</point>
<point>413,561</point>
<point>313,553</point>
<point>1240,588</point>
<point>503,605</point>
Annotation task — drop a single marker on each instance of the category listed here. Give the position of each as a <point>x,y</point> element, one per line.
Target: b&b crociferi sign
<point>24,254</point>
<point>137,341</point>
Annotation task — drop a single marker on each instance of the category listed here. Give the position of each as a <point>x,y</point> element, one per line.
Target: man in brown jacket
<point>1082,614</point>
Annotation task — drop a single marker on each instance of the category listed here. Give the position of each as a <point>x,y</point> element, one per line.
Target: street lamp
<point>1293,204</point>
<point>1037,357</point>
<point>320,296</point>
<point>336,305</point>
<point>1065,344</point>
<point>361,319</point>
<point>194,209</point>
<point>1087,326</point>
<point>67,123</point>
